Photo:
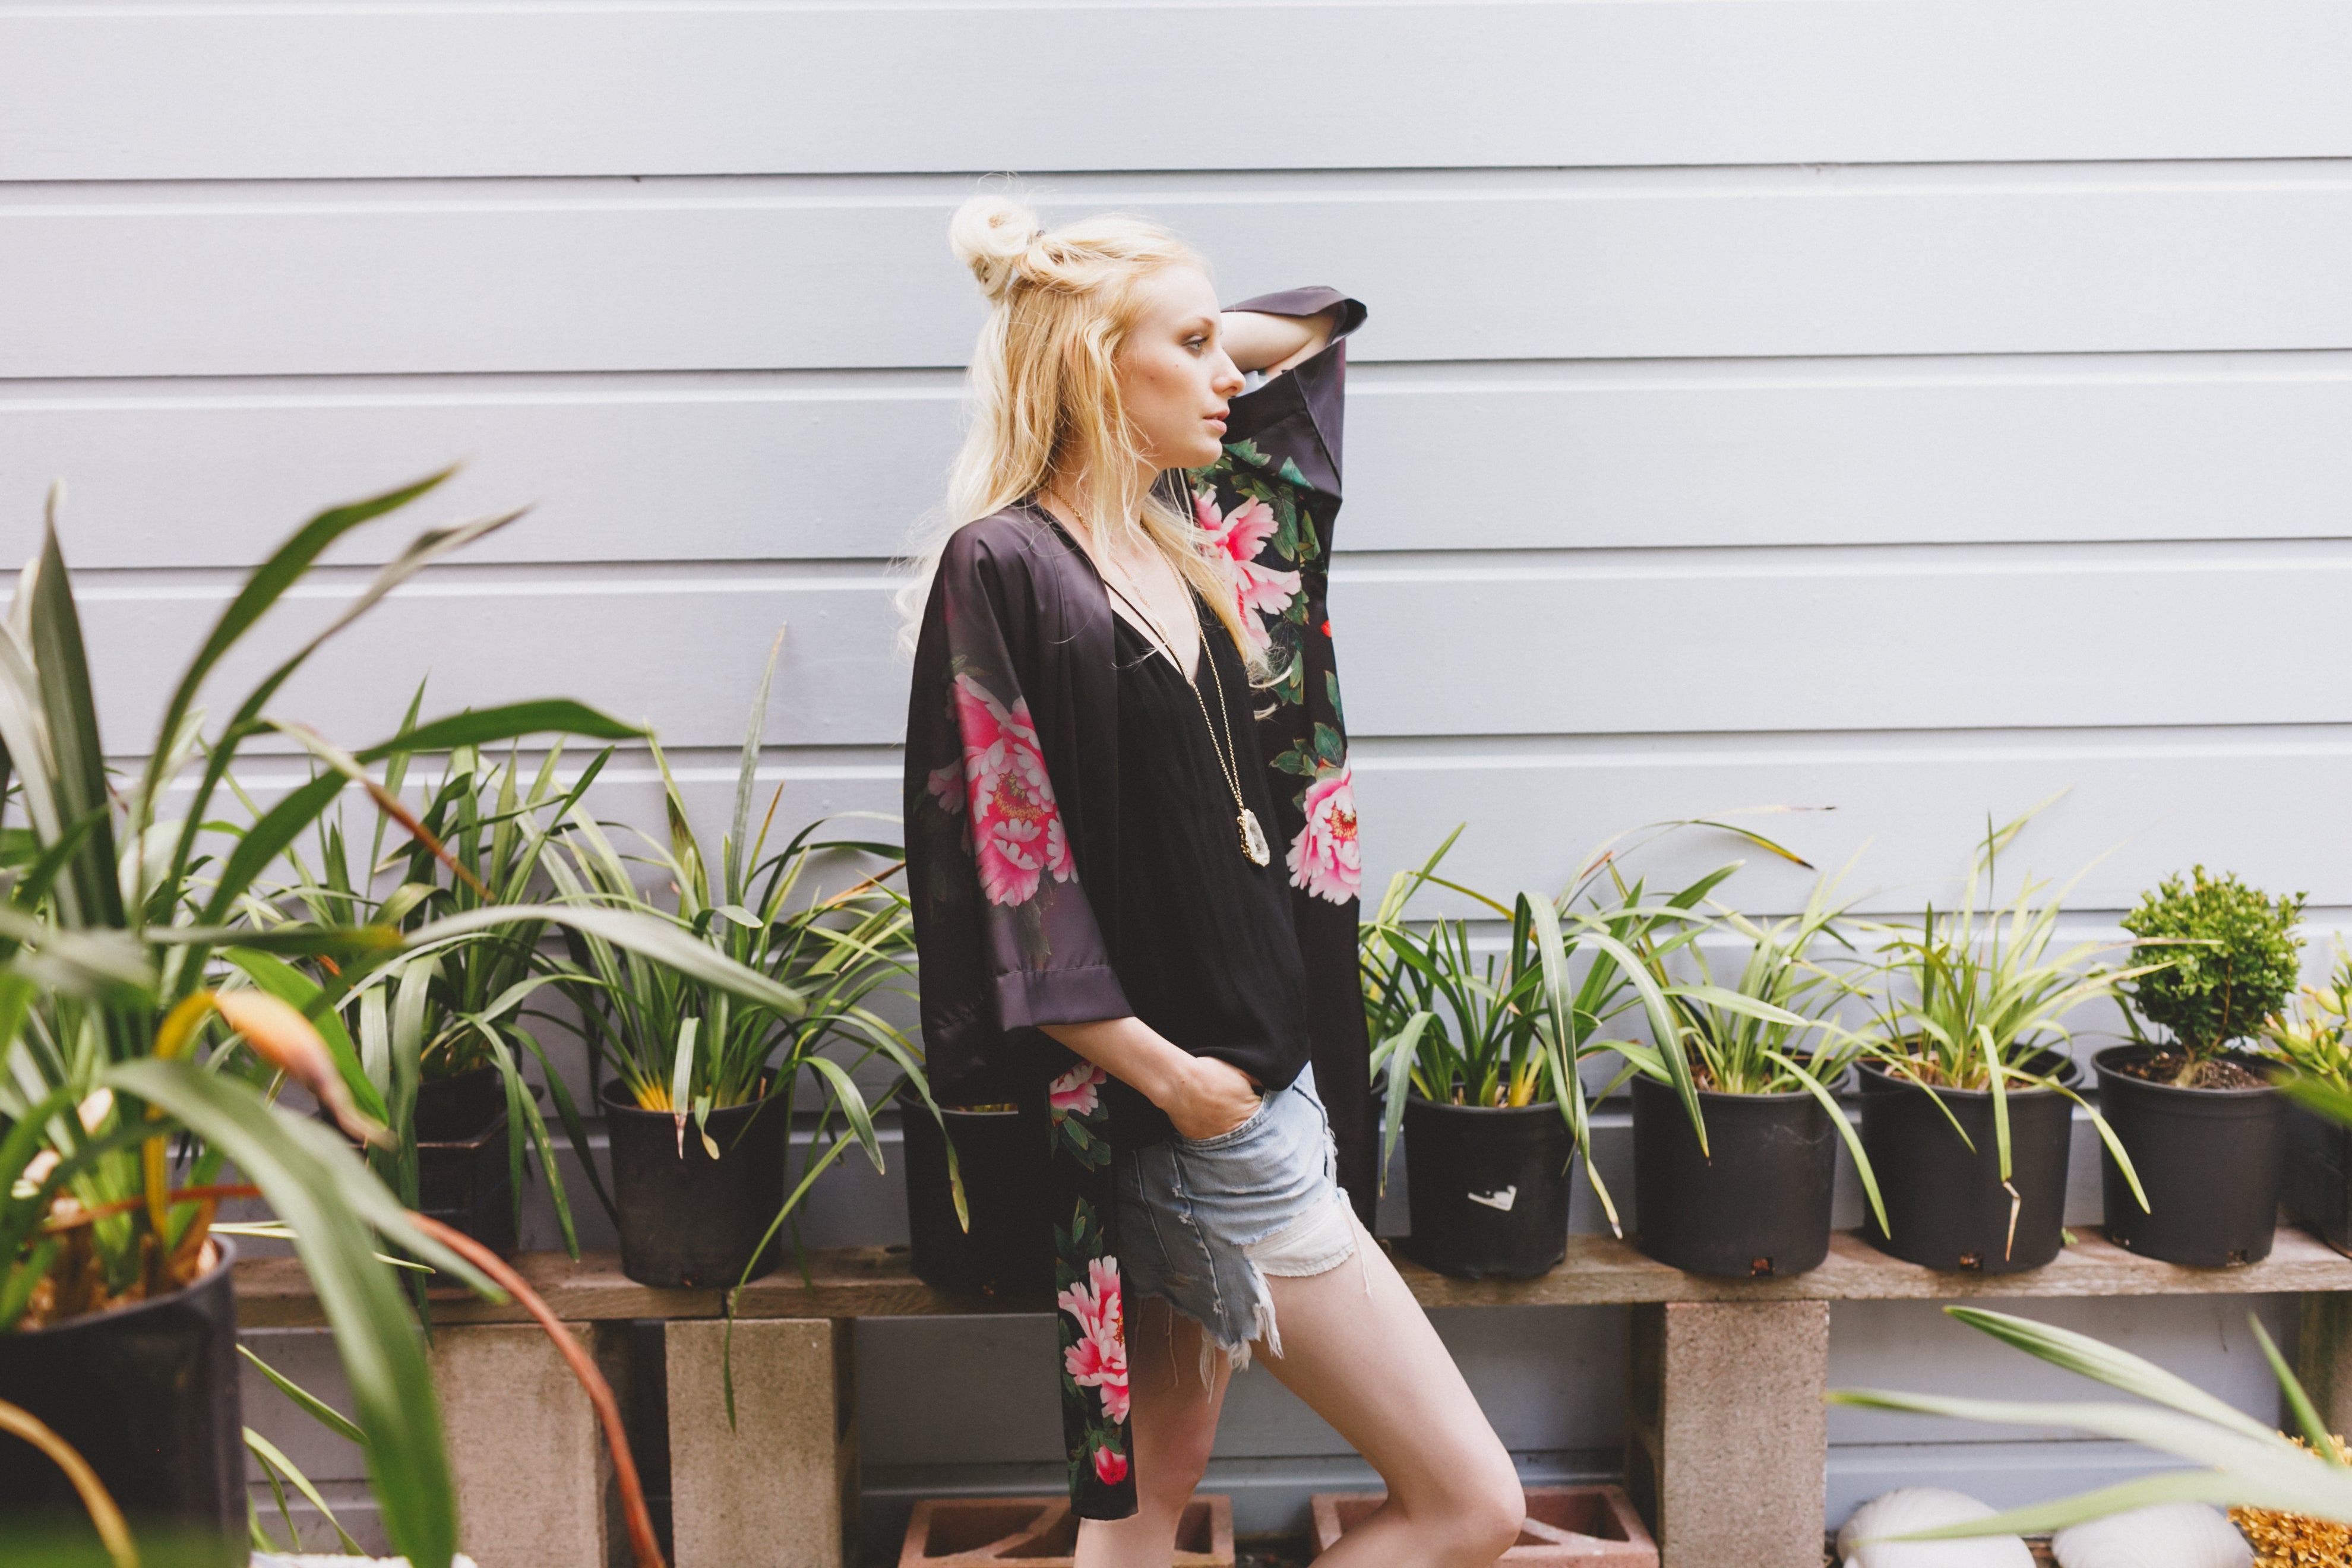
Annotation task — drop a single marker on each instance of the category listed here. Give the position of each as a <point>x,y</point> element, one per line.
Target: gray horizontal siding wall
<point>1915,409</point>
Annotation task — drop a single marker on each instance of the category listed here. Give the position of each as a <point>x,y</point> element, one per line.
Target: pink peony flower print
<point>1073,1093</point>
<point>1325,858</point>
<point>1110,1468</point>
<point>1237,540</point>
<point>1100,1358</point>
<point>1016,830</point>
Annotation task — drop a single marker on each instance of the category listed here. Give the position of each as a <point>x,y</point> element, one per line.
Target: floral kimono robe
<point>1011,809</point>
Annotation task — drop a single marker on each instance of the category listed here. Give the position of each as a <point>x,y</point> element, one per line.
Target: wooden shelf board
<point>876,1282</point>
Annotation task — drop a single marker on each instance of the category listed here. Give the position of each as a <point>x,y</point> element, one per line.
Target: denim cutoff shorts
<point>1203,1221</point>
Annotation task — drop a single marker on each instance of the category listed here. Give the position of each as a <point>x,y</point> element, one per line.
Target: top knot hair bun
<point>991,233</point>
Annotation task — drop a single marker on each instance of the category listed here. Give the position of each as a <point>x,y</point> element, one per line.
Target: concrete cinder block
<point>524,1447</point>
<point>780,1488</point>
<point>1728,1441</point>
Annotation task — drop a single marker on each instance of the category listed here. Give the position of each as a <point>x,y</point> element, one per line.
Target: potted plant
<point>1742,1182</point>
<point>2316,1177</point>
<point>119,1036</point>
<point>1478,1056</point>
<point>142,1008</point>
<point>701,1205</point>
<point>2202,1124</point>
<point>1968,1090</point>
<point>455,1013</point>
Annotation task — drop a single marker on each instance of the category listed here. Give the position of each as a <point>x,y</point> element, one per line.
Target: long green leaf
<point>310,1404</point>
<point>76,749</point>
<point>512,721</point>
<point>2102,1363</point>
<point>649,936</point>
<point>278,1464</point>
<point>318,1187</point>
<point>270,581</point>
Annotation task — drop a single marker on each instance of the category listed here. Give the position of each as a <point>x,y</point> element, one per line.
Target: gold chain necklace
<point>1254,843</point>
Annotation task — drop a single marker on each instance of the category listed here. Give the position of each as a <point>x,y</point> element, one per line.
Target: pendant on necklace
<point>1253,839</point>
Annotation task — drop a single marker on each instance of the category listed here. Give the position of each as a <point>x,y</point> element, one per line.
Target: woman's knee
<point>1490,1518</point>
<point>1475,1518</point>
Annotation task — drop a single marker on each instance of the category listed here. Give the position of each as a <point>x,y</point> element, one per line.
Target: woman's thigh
<point>1362,1353</point>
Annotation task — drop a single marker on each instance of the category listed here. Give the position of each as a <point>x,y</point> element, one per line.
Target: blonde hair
<point>1044,395</point>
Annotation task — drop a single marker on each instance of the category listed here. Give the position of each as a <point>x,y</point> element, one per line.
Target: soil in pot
<point>1489,1188</point>
<point>688,1221</point>
<point>1945,1206</point>
<point>148,1394</point>
<point>2209,1159</point>
<point>1004,1156</point>
<point>2315,1180</point>
<point>1756,1206</point>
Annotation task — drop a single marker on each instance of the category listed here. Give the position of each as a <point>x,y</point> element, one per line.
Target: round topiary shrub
<point>2229,953</point>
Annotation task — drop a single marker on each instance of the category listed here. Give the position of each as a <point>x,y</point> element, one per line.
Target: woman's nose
<point>1229,380</point>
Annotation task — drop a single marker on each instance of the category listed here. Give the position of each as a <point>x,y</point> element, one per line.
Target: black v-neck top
<point>1203,945</point>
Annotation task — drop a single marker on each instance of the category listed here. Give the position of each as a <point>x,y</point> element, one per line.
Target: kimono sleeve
<point>1271,505</point>
<point>1006,935</point>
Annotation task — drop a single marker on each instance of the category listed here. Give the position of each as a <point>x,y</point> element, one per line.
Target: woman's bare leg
<point>1373,1367</point>
<point>1175,1426</point>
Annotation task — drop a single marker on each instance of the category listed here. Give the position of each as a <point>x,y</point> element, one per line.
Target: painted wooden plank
<point>1476,457</point>
<point>1900,815</point>
<point>488,89</point>
<point>1546,643</point>
<point>730,468</point>
<point>1953,637</point>
<point>300,280</point>
<point>870,1282</point>
<point>683,653</point>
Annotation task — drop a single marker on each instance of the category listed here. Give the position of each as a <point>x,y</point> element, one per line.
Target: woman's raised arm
<point>1256,340</point>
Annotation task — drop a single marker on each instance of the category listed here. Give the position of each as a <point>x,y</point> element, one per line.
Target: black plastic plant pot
<point>457,1108</point>
<point>688,1221</point>
<point>468,1183</point>
<point>1757,1205</point>
<point>1488,1194</point>
<point>148,1394</point>
<point>1945,1206</point>
<point>1003,1156</point>
<point>2316,1178</point>
<point>2207,1158</point>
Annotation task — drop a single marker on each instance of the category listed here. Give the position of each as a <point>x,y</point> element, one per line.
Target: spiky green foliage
<point>2312,1038</point>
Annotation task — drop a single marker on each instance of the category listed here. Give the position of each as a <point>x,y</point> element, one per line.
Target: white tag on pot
<point>1502,1200</point>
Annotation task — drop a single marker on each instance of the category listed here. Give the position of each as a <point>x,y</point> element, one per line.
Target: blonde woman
<point>1131,848</point>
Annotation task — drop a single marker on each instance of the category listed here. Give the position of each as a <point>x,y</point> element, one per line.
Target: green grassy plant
<point>2311,1039</point>
<point>1511,1028</point>
<point>678,1044</point>
<point>132,1014</point>
<point>1973,996</point>
<point>1773,1029</point>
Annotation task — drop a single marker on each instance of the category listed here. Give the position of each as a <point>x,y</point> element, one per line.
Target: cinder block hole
<point>969,1526</point>
<point>1578,1512</point>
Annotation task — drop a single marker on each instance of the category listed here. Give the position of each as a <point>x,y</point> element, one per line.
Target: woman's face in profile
<point>1173,373</point>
